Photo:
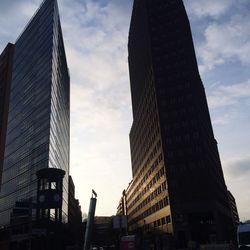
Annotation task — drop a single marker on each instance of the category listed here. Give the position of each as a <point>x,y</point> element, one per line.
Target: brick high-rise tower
<point>178,185</point>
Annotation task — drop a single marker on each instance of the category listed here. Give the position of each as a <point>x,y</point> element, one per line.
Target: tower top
<point>42,5</point>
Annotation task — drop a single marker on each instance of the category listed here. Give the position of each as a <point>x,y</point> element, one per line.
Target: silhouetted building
<point>6,61</point>
<point>38,114</point>
<point>178,185</point>
<point>122,207</point>
<point>104,234</point>
<point>47,231</point>
<point>49,195</point>
<point>74,214</point>
<point>234,210</point>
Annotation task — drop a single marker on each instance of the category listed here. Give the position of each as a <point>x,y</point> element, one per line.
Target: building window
<point>168,219</point>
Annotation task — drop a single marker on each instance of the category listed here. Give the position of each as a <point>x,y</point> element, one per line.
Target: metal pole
<point>90,222</point>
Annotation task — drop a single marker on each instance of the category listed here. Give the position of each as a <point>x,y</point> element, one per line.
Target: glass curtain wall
<point>38,120</point>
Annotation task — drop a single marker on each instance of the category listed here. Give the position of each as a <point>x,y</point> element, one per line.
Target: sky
<point>95,35</point>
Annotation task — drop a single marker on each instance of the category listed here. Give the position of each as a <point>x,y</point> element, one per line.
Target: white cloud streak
<point>212,8</point>
<point>225,42</point>
<point>238,174</point>
<point>238,167</point>
<point>228,95</point>
<point>100,100</point>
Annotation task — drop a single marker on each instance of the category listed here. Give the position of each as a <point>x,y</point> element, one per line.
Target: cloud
<point>225,42</point>
<point>238,167</point>
<point>212,8</point>
<point>224,119</point>
<point>10,21</point>
<point>228,95</point>
<point>237,171</point>
<point>96,40</point>
<point>229,104</point>
<point>96,45</point>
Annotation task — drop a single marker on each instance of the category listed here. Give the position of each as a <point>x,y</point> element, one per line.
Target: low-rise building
<point>74,214</point>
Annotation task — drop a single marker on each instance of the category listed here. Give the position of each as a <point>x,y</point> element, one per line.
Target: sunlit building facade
<point>37,133</point>
<point>178,186</point>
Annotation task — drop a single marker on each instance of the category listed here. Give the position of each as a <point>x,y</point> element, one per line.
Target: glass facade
<point>38,120</point>
<point>6,60</point>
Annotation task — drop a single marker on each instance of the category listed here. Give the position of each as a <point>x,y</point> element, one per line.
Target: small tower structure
<point>49,194</point>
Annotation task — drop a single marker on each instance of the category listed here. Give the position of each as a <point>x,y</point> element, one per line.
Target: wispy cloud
<point>228,95</point>
<point>237,171</point>
<point>238,167</point>
<point>229,104</point>
<point>223,119</point>
<point>96,40</point>
<point>226,41</point>
<point>12,23</point>
<point>212,8</point>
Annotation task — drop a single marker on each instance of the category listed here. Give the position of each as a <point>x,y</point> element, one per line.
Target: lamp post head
<point>94,193</point>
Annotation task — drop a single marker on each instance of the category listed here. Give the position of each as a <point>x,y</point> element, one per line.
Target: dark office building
<point>74,214</point>
<point>38,118</point>
<point>103,232</point>
<point>6,61</point>
<point>178,185</point>
<point>74,208</point>
<point>234,210</point>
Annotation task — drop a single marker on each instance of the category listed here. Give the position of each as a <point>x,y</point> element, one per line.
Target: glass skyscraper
<point>6,61</point>
<point>37,133</point>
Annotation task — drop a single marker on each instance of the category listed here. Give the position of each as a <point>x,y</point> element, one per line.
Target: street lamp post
<point>90,221</point>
